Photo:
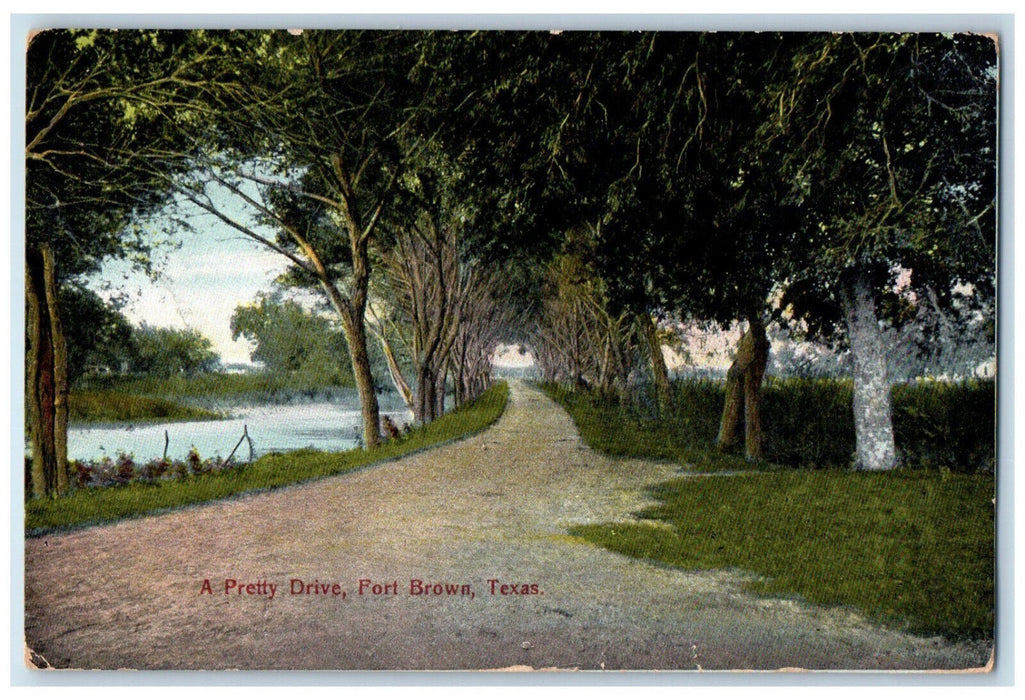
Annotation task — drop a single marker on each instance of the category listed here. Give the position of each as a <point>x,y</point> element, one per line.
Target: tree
<point>100,339</point>
<point>569,149</point>
<point>96,103</point>
<point>889,141</point>
<point>292,340</point>
<point>315,149</point>
<point>438,299</point>
<point>579,339</point>
<point>166,352</point>
<point>653,145</point>
<point>708,207</point>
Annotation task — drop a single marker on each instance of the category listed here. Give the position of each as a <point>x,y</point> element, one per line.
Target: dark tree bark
<point>46,376</point>
<point>659,372</point>
<point>743,387</point>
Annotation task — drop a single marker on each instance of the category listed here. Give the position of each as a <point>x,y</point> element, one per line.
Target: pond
<point>331,427</point>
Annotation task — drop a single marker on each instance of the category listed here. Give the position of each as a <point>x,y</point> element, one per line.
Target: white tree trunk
<point>873,421</point>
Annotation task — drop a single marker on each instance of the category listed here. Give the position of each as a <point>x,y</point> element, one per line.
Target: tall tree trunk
<point>459,375</point>
<point>730,421</point>
<point>439,392</point>
<point>356,336</point>
<point>659,372</point>
<point>743,390</point>
<point>47,382</point>
<point>873,421</point>
<point>60,373</point>
<point>425,401</point>
<point>753,388</point>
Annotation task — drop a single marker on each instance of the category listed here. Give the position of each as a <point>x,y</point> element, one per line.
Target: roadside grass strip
<point>912,550</point>
<point>95,506</point>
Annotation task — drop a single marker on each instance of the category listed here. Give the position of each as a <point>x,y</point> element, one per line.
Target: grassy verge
<point>620,431</point>
<point>86,507</point>
<point>911,549</point>
<point>115,407</point>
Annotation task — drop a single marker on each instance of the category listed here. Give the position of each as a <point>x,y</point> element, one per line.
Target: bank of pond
<point>125,485</point>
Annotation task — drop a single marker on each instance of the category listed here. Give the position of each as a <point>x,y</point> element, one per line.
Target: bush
<point>947,425</point>
<point>124,470</point>
<point>806,423</point>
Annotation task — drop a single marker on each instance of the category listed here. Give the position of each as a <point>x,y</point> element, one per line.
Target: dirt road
<point>273,581</point>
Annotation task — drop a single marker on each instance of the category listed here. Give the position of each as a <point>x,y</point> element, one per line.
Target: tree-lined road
<point>488,516</point>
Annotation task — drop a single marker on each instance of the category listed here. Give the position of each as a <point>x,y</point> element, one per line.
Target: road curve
<point>464,520</point>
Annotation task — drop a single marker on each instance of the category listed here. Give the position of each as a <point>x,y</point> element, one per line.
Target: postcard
<point>548,350</point>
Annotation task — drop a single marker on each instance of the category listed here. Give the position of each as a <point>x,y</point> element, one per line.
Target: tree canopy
<point>292,340</point>
<point>597,182</point>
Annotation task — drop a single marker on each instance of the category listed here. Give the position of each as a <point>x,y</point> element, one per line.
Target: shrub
<point>125,471</point>
<point>946,424</point>
<point>155,469</point>
<point>806,423</point>
<point>196,464</point>
<point>82,473</point>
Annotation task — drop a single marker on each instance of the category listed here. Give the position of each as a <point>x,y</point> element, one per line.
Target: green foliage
<point>93,506</point>
<point>102,107</point>
<point>888,144</point>
<point>102,343</point>
<point>806,423</point>
<point>633,428</point>
<point>165,352</point>
<point>98,336</point>
<point>936,424</point>
<point>947,425</point>
<point>293,341</point>
<point>912,550</point>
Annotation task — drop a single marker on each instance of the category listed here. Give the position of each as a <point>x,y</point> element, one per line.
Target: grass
<point>621,431</point>
<point>912,548</point>
<point>86,507</point>
<point>806,423</point>
<point>141,399</point>
<point>253,386</point>
<point>117,407</point>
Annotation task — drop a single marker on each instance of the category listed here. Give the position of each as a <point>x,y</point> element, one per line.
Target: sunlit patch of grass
<point>913,548</point>
<point>92,506</point>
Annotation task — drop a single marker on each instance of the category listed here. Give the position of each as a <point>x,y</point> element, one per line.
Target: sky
<point>202,278</point>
